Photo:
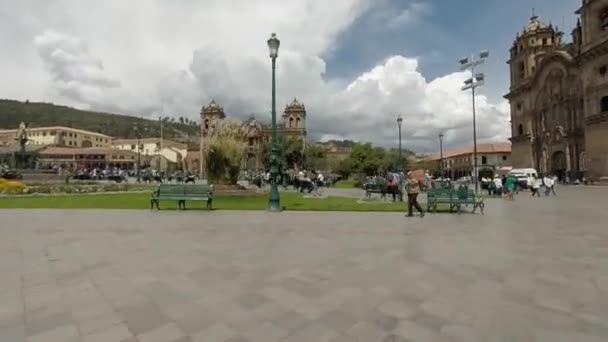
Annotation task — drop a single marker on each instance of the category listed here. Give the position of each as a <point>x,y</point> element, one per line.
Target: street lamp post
<point>274,200</point>
<point>441,155</point>
<point>138,129</point>
<point>476,80</point>
<point>399,122</point>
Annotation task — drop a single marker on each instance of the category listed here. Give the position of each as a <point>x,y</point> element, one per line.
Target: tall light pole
<point>441,154</point>
<point>274,201</point>
<point>137,127</point>
<point>399,122</point>
<point>476,80</point>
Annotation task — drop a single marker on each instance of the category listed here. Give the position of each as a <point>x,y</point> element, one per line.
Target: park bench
<point>455,198</point>
<point>379,187</point>
<point>181,194</point>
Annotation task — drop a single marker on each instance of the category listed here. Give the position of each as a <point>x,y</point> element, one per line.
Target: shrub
<point>11,187</point>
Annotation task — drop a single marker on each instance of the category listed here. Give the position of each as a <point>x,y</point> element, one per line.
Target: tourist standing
<point>412,187</point>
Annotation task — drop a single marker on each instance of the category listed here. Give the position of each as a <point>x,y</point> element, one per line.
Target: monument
<point>23,158</point>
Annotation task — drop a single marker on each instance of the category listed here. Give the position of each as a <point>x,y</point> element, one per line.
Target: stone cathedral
<point>291,124</point>
<point>559,96</point>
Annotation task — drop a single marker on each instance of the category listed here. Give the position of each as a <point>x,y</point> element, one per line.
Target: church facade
<point>559,96</point>
<point>291,125</point>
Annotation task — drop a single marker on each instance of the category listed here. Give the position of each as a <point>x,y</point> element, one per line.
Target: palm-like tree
<point>225,151</point>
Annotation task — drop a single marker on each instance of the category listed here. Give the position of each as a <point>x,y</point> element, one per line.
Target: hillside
<point>37,114</point>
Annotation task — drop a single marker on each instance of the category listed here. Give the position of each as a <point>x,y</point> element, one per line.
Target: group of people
<point>508,185</point>
<point>548,182</point>
<point>397,184</point>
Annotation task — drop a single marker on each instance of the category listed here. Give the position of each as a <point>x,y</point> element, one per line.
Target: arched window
<point>520,129</point>
<point>206,123</point>
<point>290,122</point>
<point>604,104</point>
<point>298,122</point>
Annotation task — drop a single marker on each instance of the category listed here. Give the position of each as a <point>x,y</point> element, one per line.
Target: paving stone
<point>443,278</point>
<point>266,332</point>
<point>338,320</point>
<point>118,332</point>
<point>166,333</point>
<point>313,332</point>
<point>251,301</point>
<point>364,331</point>
<point>215,333</point>
<point>67,333</point>
<point>386,323</point>
<point>143,318</point>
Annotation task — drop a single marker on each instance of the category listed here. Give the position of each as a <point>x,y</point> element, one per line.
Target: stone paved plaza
<point>529,270</point>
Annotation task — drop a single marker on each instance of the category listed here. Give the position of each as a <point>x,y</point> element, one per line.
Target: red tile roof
<point>481,148</point>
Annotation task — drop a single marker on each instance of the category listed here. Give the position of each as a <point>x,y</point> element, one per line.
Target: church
<point>559,96</point>
<point>292,125</point>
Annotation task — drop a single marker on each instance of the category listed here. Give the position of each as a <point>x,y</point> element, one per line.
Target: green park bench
<point>378,187</point>
<point>182,193</point>
<point>455,198</point>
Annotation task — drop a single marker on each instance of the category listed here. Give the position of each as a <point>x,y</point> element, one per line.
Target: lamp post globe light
<point>399,122</point>
<point>476,80</point>
<point>274,200</point>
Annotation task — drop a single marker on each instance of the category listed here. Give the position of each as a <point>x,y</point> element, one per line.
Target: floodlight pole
<point>474,82</point>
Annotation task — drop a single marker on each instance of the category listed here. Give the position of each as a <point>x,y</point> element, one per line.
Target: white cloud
<point>143,55</point>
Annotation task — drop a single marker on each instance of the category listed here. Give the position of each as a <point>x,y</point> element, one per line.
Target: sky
<point>355,64</point>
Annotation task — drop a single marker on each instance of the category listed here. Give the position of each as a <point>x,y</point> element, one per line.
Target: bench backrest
<point>463,192</point>
<point>440,193</point>
<point>170,189</point>
<point>199,189</point>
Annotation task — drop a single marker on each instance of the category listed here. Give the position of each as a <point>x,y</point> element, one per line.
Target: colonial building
<point>559,96</point>
<point>292,126</point>
<point>85,158</point>
<point>159,154</point>
<point>460,162</point>
<point>58,136</point>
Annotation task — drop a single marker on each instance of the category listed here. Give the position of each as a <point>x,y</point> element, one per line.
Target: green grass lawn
<point>345,184</point>
<point>291,201</point>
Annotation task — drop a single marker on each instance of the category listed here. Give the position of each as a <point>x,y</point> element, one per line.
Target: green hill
<point>36,114</point>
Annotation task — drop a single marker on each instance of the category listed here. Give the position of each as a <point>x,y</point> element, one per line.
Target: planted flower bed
<point>18,188</point>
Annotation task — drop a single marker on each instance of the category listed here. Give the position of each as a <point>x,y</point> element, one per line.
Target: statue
<point>22,136</point>
<point>560,130</point>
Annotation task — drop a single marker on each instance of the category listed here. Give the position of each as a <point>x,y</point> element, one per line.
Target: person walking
<point>510,186</point>
<point>412,187</point>
<point>498,185</point>
<point>534,185</point>
<point>548,182</point>
<point>553,185</point>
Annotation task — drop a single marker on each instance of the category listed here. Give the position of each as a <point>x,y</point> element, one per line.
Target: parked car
<point>10,174</point>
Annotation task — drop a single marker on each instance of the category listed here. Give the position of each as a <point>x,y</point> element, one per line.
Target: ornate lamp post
<point>399,122</point>
<point>476,80</point>
<point>441,154</point>
<point>274,201</point>
<point>138,131</point>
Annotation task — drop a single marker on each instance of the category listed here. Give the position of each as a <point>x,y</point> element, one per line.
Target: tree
<point>314,158</point>
<point>225,152</point>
